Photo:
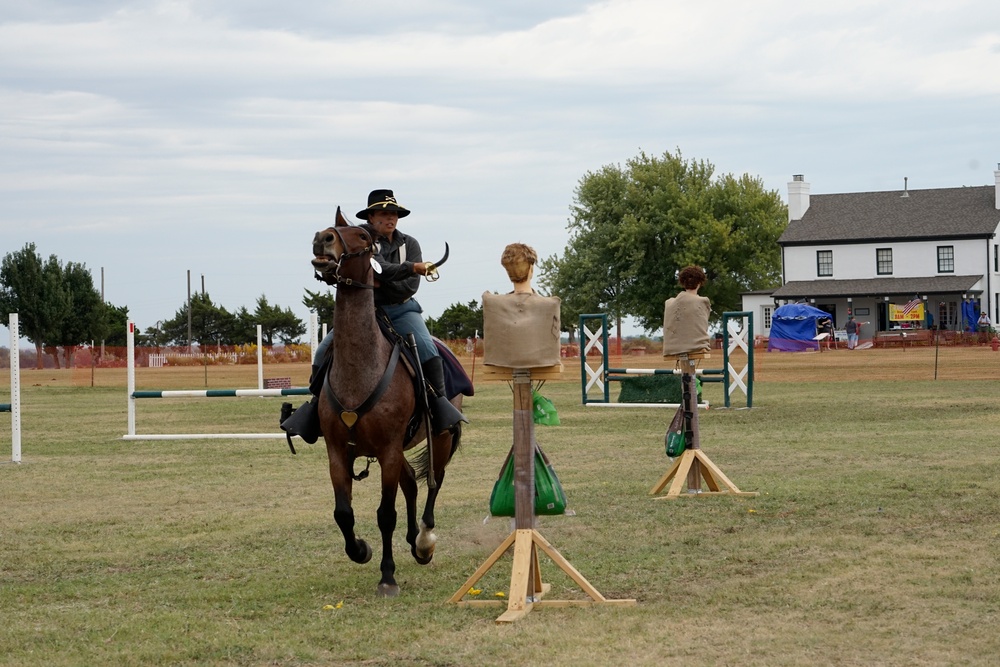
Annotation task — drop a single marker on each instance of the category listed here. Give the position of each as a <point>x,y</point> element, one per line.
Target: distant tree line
<point>60,309</point>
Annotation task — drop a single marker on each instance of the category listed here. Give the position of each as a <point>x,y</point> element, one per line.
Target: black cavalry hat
<point>382,200</point>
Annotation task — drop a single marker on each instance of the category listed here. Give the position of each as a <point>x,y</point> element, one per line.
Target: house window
<point>946,259</point>
<point>883,261</point>
<point>824,263</point>
<point>996,258</point>
<point>765,316</point>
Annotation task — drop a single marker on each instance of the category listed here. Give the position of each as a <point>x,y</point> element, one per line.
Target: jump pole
<point>14,407</point>
<point>134,395</point>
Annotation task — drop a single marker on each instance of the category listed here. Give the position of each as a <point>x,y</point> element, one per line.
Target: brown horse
<point>367,400</point>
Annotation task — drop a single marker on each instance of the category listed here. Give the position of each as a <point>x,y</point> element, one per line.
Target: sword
<point>432,267</point>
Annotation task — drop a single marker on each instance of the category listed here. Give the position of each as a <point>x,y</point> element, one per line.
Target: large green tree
<point>634,227</point>
<point>33,288</point>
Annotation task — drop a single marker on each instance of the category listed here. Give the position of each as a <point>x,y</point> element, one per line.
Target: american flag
<point>910,306</point>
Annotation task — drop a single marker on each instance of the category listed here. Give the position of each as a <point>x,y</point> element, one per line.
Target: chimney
<point>798,196</point>
<point>996,175</point>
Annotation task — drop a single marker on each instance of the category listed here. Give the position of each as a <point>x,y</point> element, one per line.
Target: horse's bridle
<point>337,276</point>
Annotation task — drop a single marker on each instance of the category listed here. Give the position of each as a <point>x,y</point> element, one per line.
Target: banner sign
<point>908,312</point>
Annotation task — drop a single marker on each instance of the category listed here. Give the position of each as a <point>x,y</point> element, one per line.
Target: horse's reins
<point>339,261</point>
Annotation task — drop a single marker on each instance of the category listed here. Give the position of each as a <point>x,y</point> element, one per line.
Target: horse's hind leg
<point>444,445</point>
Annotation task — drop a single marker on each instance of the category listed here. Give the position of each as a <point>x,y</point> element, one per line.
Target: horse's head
<point>343,254</point>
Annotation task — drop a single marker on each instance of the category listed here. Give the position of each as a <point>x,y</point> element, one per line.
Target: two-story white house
<point>871,253</point>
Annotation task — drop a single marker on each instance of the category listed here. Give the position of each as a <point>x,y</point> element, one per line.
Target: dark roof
<point>802,289</point>
<point>881,216</point>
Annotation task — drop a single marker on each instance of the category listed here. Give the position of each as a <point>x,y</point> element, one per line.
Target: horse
<point>367,401</point>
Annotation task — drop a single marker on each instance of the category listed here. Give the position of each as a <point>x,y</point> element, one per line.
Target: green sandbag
<point>550,498</point>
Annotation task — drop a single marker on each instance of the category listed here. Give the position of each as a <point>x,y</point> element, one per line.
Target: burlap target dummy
<point>520,330</point>
<point>685,324</point>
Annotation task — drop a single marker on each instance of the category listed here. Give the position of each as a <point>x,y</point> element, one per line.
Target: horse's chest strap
<point>351,417</point>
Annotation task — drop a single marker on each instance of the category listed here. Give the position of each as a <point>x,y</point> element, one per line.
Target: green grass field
<point>873,540</point>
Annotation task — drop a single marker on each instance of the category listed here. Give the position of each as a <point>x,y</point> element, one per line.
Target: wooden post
<point>526,587</point>
<point>693,464</point>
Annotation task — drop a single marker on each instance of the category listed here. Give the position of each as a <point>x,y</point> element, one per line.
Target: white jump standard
<point>14,407</point>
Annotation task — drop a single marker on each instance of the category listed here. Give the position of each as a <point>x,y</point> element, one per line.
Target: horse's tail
<point>421,460</point>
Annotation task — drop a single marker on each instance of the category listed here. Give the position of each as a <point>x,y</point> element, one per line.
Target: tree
<point>458,321</point>
<point>86,316</point>
<point>116,318</point>
<point>276,323</point>
<point>209,323</point>
<point>33,289</point>
<point>633,229</point>
<point>322,304</point>
<point>593,273</point>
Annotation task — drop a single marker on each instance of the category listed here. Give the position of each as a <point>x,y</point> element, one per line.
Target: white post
<point>15,390</point>
<point>130,334</point>
<point>313,332</point>
<point>260,358</point>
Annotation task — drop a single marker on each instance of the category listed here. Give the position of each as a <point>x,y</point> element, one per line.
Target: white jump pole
<point>15,390</point>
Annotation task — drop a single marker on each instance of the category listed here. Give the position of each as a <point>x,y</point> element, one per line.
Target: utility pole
<point>102,304</point>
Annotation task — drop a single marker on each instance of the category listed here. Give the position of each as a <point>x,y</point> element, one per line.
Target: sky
<point>151,139</point>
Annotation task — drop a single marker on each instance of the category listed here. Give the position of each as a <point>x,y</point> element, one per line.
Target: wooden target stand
<point>693,465</point>
<point>526,587</point>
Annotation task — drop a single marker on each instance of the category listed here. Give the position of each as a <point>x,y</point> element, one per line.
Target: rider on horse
<point>399,267</point>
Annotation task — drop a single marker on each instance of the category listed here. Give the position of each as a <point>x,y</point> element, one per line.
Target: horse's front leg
<point>340,465</point>
<point>391,466</point>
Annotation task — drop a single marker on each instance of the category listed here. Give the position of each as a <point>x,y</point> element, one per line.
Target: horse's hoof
<point>388,590</point>
<point>364,556</point>
<point>423,555</point>
<point>423,547</point>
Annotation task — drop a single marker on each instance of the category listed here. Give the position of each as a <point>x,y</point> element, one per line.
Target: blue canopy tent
<point>793,328</point>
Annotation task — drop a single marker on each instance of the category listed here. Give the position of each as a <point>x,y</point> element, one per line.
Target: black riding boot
<point>303,422</point>
<point>444,415</point>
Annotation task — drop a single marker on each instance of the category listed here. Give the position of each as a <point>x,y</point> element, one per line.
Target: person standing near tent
<point>983,326</point>
<point>853,329</point>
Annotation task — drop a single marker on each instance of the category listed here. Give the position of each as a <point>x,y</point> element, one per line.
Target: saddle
<point>455,378</point>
